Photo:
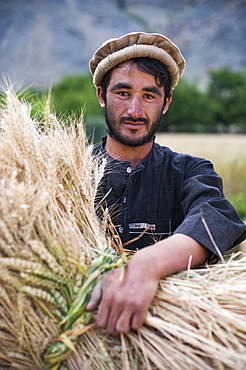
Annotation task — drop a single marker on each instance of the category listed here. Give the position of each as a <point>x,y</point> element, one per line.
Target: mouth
<point>133,125</point>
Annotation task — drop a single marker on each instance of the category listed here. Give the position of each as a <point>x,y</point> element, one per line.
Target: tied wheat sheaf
<point>53,249</point>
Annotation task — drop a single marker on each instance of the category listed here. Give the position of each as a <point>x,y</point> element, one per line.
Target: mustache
<point>134,120</point>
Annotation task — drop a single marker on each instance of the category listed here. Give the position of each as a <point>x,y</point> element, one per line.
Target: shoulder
<point>164,151</point>
<point>180,161</point>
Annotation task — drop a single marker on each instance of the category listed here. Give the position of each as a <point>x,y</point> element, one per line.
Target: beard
<point>113,129</point>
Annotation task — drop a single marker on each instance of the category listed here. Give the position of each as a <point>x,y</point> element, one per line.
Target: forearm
<point>171,255</point>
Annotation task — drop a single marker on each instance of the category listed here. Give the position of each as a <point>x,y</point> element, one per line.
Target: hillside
<point>41,41</point>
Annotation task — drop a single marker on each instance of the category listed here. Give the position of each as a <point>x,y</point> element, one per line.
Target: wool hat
<point>135,45</point>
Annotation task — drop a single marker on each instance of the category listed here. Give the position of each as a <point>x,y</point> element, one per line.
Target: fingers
<point>95,297</point>
<point>137,320</point>
<point>123,324</point>
<point>118,314</point>
<point>129,320</point>
<point>122,302</point>
<point>114,320</point>
<point>110,307</point>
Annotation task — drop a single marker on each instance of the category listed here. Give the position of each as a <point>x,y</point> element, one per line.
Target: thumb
<point>95,297</point>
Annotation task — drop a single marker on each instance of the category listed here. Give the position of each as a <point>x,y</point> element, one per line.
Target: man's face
<point>134,105</point>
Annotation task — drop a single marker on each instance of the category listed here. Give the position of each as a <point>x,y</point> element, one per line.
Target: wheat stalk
<point>53,249</point>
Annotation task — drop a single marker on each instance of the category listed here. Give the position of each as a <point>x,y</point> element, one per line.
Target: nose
<point>134,109</point>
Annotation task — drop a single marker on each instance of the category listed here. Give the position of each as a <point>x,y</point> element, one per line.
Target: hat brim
<point>136,51</point>
<point>136,45</point>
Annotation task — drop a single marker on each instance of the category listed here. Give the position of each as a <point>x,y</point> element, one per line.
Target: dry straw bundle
<point>53,249</point>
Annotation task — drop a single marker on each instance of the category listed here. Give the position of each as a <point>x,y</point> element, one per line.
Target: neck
<point>122,152</point>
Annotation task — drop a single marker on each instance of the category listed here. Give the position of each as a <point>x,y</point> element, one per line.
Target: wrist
<point>146,262</point>
<point>169,256</point>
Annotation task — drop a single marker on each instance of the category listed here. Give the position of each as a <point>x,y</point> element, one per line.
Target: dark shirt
<point>168,193</point>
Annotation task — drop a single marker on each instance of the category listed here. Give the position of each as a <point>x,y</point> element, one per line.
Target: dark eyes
<point>126,94</point>
<point>148,96</point>
<point>123,93</point>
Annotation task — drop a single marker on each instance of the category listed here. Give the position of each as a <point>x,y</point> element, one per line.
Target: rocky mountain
<point>43,40</point>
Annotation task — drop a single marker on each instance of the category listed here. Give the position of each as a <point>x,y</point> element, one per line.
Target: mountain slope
<point>41,41</point>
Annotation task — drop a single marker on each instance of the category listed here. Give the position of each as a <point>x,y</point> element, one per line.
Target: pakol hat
<point>135,45</point>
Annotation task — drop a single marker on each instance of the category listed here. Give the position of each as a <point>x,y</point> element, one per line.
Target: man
<point>169,207</point>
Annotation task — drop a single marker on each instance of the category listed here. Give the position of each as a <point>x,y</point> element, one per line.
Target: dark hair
<point>147,65</point>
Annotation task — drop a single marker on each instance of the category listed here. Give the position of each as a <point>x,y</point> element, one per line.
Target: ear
<point>168,102</point>
<point>100,96</point>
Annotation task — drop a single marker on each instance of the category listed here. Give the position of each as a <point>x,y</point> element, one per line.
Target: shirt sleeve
<point>209,217</point>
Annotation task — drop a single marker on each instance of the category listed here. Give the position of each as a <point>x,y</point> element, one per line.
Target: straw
<point>53,249</point>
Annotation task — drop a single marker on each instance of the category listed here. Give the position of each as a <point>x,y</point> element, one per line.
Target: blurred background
<point>42,41</point>
<point>47,44</point>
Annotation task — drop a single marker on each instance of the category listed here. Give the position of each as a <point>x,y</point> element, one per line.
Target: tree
<point>190,110</point>
<point>227,89</point>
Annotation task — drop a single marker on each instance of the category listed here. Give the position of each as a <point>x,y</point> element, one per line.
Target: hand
<point>124,299</point>
<point>124,296</point>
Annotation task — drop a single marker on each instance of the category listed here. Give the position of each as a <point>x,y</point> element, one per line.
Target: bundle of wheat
<point>53,249</point>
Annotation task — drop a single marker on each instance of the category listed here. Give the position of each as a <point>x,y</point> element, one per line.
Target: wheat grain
<point>53,249</point>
